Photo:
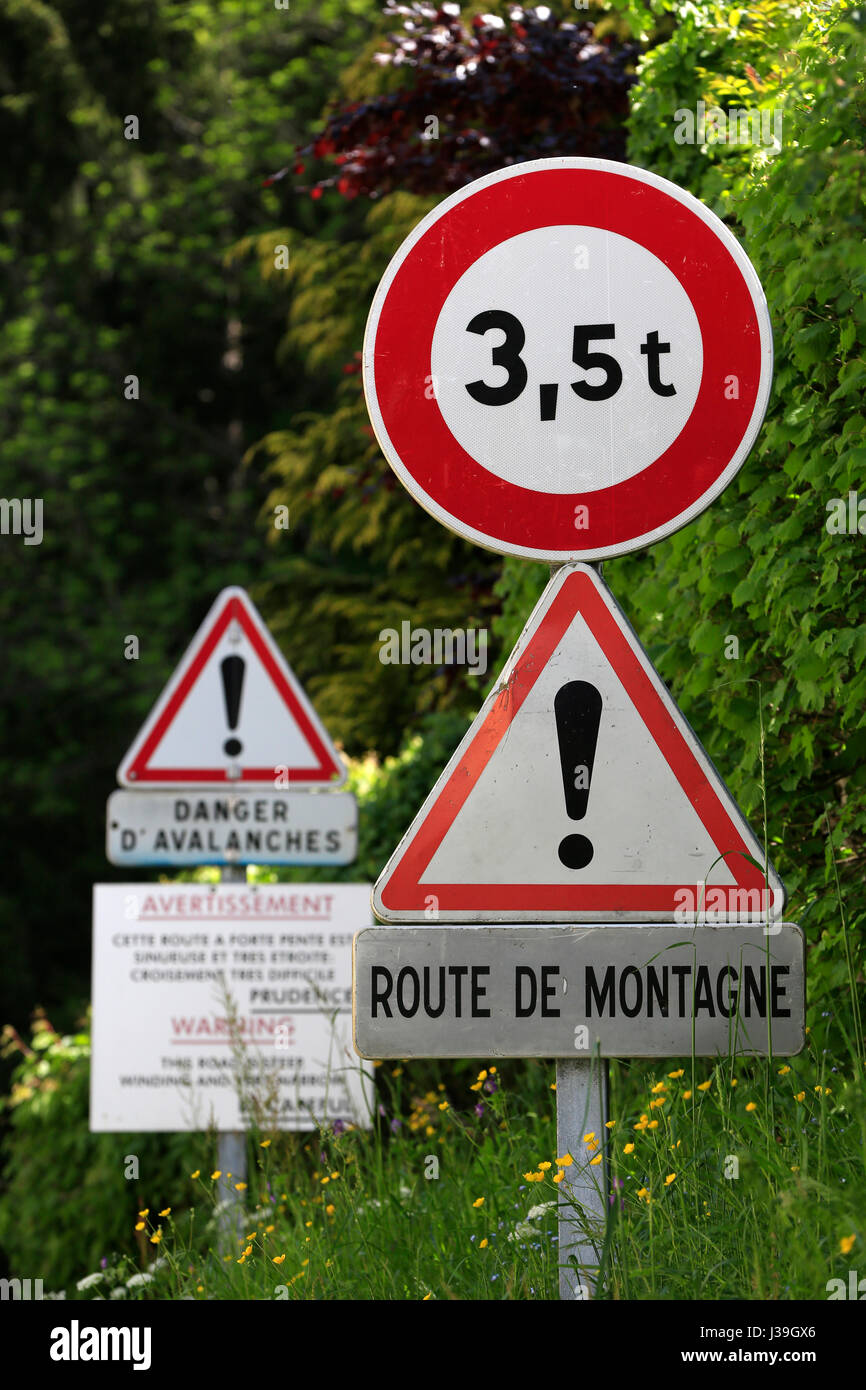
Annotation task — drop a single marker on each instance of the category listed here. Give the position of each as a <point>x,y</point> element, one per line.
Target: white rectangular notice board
<point>174,963</point>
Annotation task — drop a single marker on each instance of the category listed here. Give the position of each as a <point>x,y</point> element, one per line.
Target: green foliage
<point>66,1203</point>
<point>113,264</point>
<point>761,563</point>
<point>718,1182</point>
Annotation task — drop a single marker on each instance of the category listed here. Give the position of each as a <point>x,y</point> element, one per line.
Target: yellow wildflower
<point>653,1124</point>
<point>268,1230</point>
<point>675,1075</point>
<point>643,1192</point>
<point>195,1174</point>
<point>687,1095</point>
<point>482,1075</point>
<point>543,1167</point>
<point>588,1137</point>
<point>704,1085</point>
<point>660,1086</point>
<point>156,1237</point>
<point>145,1212</point>
<point>654,1104</point>
<point>479,1202</point>
<point>629,1149</point>
<point>166,1212</point>
<point>240,1187</point>
<point>334,1177</point>
<point>330,1209</point>
<point>801,1095</point>
<point>594,1161</point>
<point>669,1179</point>
<point>751,1105</point>
<point>557,1177</point>
<point>249,1250</point>
<point>783,1071</point>
<point>215,1175</point>
<point>264,1144</point>
<point>443,1105</point>
<point>609,1124</point>
<point>564,1162</point>
<point>846,1244</point>
<point>139,1225</point>
<point>482,1245</point>
<point>476,1086</point>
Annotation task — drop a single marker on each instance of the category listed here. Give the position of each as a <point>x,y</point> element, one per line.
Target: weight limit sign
<point>568,359</point>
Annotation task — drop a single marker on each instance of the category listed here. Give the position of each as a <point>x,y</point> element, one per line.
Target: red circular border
<point>663,490</point>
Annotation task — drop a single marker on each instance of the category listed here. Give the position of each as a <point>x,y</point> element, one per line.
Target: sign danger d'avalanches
<point>234,712</point>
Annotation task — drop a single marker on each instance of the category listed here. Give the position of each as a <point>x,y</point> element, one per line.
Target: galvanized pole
<point>581,1117</point>
<point>231,1144</point>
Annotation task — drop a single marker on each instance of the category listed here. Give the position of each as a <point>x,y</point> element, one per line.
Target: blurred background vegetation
<point>157,258</point>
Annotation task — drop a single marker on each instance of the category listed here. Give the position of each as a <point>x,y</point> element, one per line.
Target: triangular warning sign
<point>233,712</point>
<point>579,793</point>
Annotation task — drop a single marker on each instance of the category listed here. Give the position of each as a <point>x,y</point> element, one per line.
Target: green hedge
<point>760,564</point>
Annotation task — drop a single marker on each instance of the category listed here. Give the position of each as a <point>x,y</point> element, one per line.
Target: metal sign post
<point>231,1144</point>
<point>581,1117</point>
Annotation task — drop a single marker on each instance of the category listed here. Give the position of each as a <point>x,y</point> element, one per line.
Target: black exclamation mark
<point>577,707</point>
<point>232,668</point>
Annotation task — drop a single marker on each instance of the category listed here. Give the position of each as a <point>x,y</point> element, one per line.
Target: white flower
<point>89,1280</point>
<point>539,1211</point>
<point>119,1292</point>
<point>522,1231</point>
<point>138,1280</point>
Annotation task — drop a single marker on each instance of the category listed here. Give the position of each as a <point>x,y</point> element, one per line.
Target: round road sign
<point>568,359</point>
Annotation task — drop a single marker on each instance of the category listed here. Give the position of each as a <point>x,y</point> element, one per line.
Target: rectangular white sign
<point>216,1002</point>
<point>231,827</point>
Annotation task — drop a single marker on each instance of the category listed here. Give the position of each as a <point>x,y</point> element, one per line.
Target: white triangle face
<point>631,789</point>
<point>498,839</point>
<point>233,712</point>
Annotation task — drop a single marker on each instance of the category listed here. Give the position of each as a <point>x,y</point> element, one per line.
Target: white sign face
<point>233,712</point>
<point>607,991</point>
<point>567,359</point>
<point>579,794</point>
<point>203,827</point>
<point>564,443</point>
<point>179,970</point>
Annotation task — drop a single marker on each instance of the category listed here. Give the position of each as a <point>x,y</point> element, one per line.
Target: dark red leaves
<point>479,96</point>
